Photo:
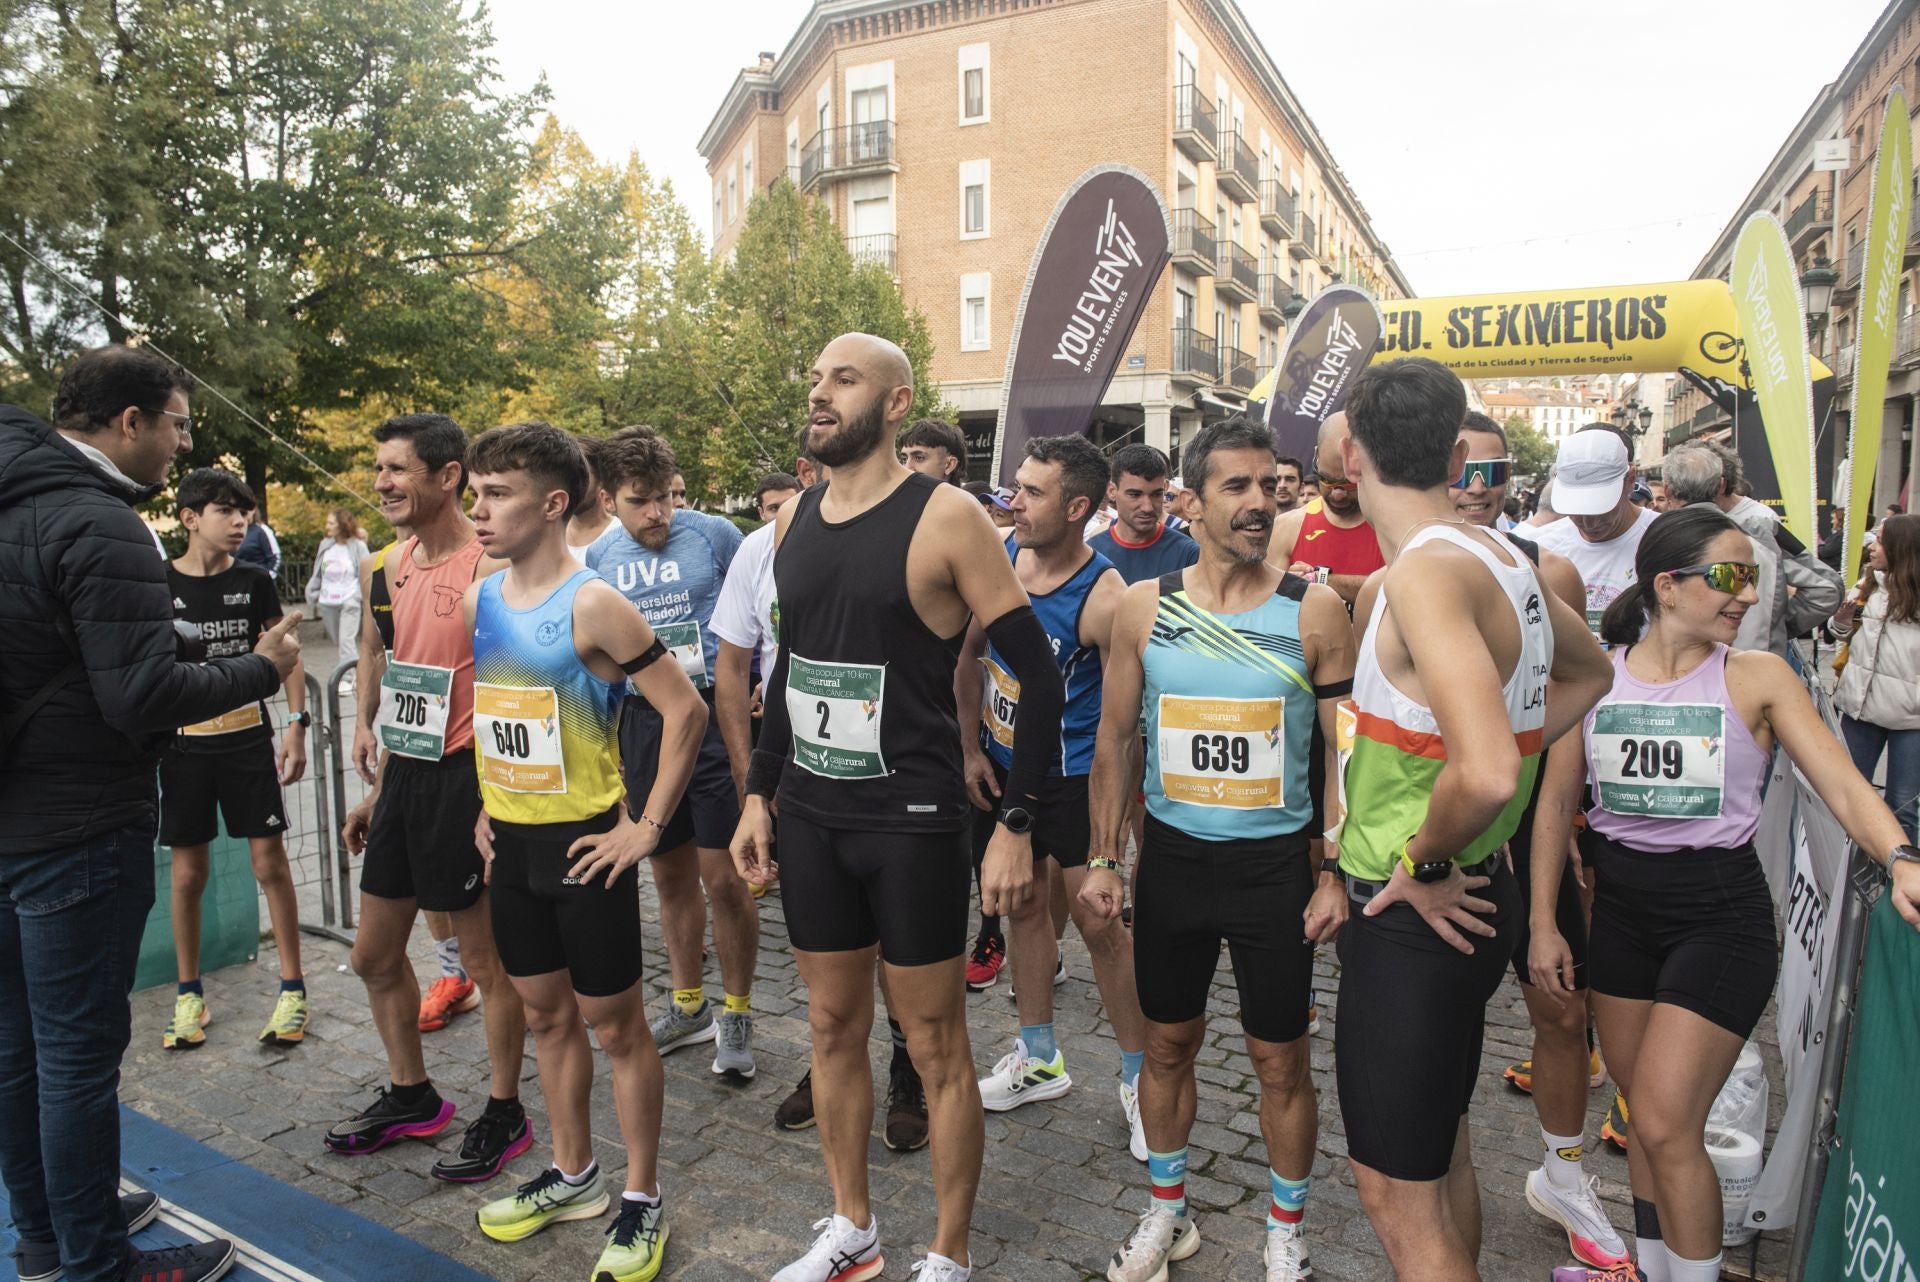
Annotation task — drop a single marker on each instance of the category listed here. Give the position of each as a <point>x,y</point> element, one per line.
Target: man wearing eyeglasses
<point>1328,540</point>
<point>1593,488</point>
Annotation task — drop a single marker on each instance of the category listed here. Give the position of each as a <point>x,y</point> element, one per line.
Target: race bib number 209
<point>835,709</point>
<point>1666,760</point>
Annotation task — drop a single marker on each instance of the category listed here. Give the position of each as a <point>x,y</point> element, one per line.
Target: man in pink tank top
<point>416,825</point>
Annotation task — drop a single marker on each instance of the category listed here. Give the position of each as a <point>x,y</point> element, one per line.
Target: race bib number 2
<point>414,702</point>
<point>516,732</point>
<point>1665,760</point>
<point>1223,752</point>
<point>835,710</point>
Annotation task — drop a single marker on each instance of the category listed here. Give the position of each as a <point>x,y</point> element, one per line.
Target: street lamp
<point>1816,293</point>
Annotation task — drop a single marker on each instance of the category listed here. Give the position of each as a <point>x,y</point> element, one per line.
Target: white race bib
<point>1223,752</point>
<point>1665,760</point>
<point>835,711</point>
<point>999,702</point>
<point>516,733</point>
<point>686,648</point>
<point>414,701</point>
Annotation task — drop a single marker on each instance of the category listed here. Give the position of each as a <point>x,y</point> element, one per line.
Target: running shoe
<point>492,1140</point>
<point>1581,1273</point>
<point>40,1261</point>
<point>1059,977</point>
<point>1159,1239</point>
<point>676,1028</point>
<point>200,1262</point>
<point>1590,1237</point>
<point>1021,1079</point>
<point>448,996</point>
<point>1136,1131</point>
<point>545,1199</point>
<point>843,1252</point>
<point>733,1056</point>
<point>938,1268</point>
<point>1614,1129</point>
<point>983,968</point>
<point>288,1027</point>
<point>1596,1069</point>
<point>906,1107</point>
<point>189,1018</point>
<point>386,1120</point>
<point>1313,1012</point>
<point>796,1110</point>
<point>636,1244</point>
<point>1520,1076</point>
<point>1286,1255</point>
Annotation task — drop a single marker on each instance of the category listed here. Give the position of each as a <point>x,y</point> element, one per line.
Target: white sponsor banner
<point>1810,922</point>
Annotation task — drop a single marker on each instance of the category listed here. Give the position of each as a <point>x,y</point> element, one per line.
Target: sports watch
<point>1427,871</point>
<point>1903,854</point>
<point>1017,819</point>
<point>302,718</point>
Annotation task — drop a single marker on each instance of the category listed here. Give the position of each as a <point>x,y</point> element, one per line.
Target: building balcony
<point>880,249</point>
<point>1843,364</point>
<point>1195,131</point>
<point>1240,372</point>
<point>1307,240</point>
<point>1913,241</point>
<point>1810,219</point>
<point>1275,293</point>
<point>1238,278</point>
<point>850,151</point>
<point>1906,340</point>
<point>1196,357</point>
<point>1194,249</point>
<point>1277,213</point>
<point>1237,173</point>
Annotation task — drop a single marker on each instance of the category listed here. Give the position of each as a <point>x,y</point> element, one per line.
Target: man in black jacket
<point>87,643</point>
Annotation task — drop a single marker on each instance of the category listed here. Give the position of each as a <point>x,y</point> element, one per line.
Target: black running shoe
<point>906,1107</point>
<point>386,1120</point>
<point>494,1138</point>
<point>796,1110</point>
<point>201,1262</point>
<point>40,1261</point>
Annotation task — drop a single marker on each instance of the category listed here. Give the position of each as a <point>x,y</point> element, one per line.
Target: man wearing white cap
<point>1593,488</point>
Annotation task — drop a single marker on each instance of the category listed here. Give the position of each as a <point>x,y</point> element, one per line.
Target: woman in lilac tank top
<point>1683,955</point>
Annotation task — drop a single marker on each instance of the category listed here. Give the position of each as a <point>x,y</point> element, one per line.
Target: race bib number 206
<point>414,699</point>
<point>835,709</point>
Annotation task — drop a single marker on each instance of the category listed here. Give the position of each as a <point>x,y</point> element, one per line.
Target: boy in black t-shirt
<point>229,762</point>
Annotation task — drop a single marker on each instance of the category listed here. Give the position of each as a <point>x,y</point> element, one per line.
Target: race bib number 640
<point>836,709</point>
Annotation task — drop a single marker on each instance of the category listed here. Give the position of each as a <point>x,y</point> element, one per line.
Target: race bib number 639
<point>1222,752</point>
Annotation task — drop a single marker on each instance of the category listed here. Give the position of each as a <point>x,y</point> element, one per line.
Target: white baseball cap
<point>1588,473</point>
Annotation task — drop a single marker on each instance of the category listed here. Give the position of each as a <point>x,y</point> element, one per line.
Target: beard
<point>1260,528</point>
<point>855,439</point>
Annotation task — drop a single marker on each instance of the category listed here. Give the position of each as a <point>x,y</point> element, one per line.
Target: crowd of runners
<point>1259,707</point>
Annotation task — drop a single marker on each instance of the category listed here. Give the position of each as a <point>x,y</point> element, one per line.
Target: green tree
<point>1532,454</point>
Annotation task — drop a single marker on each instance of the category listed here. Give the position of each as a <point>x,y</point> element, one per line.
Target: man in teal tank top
<point>1467,668</point>
<point>1233,664</point>
<point>554,647</point>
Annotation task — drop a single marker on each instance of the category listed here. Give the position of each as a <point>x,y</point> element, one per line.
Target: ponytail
<point>1625,620</point>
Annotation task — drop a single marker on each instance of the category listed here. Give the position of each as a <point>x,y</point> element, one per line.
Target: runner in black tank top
<point>860,744</point>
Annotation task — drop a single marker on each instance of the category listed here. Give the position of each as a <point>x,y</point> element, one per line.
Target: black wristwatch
<point>1017,819</point>
<point>1425,872</point>
<point>302,718</point>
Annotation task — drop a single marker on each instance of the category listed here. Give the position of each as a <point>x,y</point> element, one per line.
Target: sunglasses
<point>1328,483</point>
<point>1730,577</point>
<point>1491,472</point>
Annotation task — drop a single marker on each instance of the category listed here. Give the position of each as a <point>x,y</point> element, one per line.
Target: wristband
<point>763,773</point>
<point>1101,861</point>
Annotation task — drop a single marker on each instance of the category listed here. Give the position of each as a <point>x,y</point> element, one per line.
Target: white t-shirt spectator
<point>743,615</point>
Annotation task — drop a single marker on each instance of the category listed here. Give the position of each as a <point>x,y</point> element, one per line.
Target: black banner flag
<point>1332,339</point>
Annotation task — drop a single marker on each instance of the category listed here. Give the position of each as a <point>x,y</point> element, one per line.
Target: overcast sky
<point>1497,144</point>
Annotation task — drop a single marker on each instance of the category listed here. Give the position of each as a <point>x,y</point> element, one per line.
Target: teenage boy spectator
<point>936,448</point>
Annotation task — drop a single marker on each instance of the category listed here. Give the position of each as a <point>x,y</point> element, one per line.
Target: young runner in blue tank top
<point>1074,591</point>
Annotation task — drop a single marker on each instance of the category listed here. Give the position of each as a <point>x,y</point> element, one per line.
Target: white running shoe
<point>1136,1132</point>
<point>1021,1079</point>
<point>842,1253</point>
<point>938,1268</point>
<point>1590,1236</point>
<point>1286,1254</point>
<point>1160,1238</point>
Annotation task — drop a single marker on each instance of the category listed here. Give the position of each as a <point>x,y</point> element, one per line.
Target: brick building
<point>942,132</point>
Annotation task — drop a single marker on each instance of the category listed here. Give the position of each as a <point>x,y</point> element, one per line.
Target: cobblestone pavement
<point>1059,1189</point>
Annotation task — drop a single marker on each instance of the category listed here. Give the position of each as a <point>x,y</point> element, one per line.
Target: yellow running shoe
<point>289,1023</point>
<point>1520,1076</point>
<point>636,1245</point>
<point>189,1018</point>
<point>1614,1129</point>
<point>545,1199</point>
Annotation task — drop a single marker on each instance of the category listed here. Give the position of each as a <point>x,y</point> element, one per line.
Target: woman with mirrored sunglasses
<point>1682,955</point>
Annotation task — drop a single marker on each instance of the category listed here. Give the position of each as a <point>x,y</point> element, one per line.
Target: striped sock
<point>1289,1205</point>
<point>1169,1172</point>
<point>447,952</point>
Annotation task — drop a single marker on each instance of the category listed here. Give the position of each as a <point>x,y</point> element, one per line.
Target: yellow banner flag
<point>1887,213</point>
<point>1766,297</point>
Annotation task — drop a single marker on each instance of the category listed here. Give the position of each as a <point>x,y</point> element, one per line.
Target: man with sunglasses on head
<point>1593,488</point>
<point>1328,540</point>
<point>1562,1068</point>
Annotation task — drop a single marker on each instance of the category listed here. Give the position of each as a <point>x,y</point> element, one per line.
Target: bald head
<point>880,359</point>
<point>1326,457</point>
<point>862,392</point>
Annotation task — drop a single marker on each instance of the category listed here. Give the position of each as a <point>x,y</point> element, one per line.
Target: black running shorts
<point>1569,915</point>
<point>1412,1014</point>
<point>709,809</point>
<point>907,891</point>
<point>1190,895</point>
<point>544,922</point>
<point>420,843</point>
<point>1062,826</point>
<point>242,784</point>
<point>1691,928</point>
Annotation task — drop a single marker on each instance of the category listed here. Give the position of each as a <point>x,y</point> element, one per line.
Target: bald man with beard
<point>1327,540</point>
